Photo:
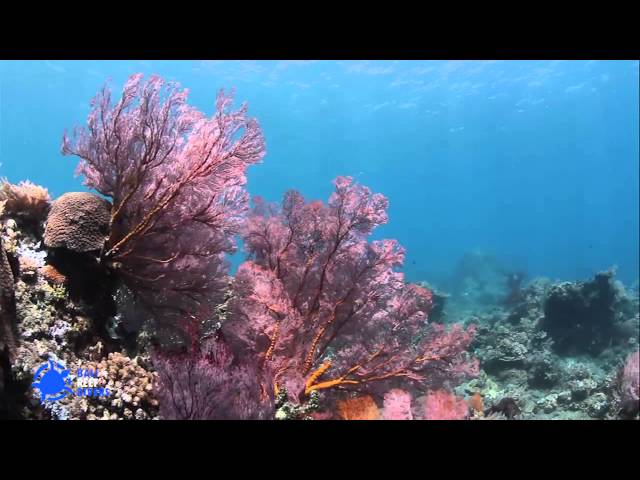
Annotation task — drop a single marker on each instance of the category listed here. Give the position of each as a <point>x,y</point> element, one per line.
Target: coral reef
<point>520,359</point>
<point>397,405</point>
<point>50,323</point>
<point>130,298</point>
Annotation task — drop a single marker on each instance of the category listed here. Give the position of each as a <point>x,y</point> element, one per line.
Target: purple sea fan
<point>175,178</point>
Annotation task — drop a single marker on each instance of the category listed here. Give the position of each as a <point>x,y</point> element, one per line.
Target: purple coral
<point>175,178</point>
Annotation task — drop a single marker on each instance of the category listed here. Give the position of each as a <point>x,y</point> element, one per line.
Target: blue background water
<point>535,161</point>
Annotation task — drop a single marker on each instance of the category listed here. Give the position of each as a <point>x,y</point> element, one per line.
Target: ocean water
<point>534,162</point>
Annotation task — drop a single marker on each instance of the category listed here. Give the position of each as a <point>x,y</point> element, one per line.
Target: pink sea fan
<point>176,180</point>
<point>327,309</point>
<point>397,405</point>
<point>630,383</point>
<point>204,383</point>
<point>442,405</point>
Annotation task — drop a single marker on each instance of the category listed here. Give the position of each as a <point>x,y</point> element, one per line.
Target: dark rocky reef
<point>520,358</point>
<point>586,317</point>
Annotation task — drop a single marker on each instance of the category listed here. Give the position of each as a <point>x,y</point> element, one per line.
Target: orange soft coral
<point>358,408</point>
<point>476,403</point>
<point>28,267</point>
<point>52,275</point>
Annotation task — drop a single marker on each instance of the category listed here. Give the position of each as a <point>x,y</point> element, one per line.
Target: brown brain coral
<point>78,221</point>
<point>24,200</point>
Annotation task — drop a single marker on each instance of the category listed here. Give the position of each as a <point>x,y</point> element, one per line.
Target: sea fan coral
<point>630,384</point>
<point>203,383</point>
<point>326,309</point>
<point>442,405</point>
<point>176,181</point>
<point>79,222</point>
<point>358,408</point>
<point>25,201</point>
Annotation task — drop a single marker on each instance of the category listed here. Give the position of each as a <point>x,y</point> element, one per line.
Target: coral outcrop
<point>79,222</point>
<point>528,354</point>
<point>582,317</point>
<point>25,202</point>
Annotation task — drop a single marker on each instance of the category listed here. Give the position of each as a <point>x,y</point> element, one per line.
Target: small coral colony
<point>317,323</point>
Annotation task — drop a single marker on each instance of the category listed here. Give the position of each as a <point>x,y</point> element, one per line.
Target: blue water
<point>534,161</point>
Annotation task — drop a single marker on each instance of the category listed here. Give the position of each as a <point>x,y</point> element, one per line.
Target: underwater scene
<point>319,240</point>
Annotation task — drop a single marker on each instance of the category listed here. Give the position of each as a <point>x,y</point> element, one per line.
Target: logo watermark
<point>55,382</point>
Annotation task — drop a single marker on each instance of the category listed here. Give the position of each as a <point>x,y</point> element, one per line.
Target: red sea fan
<point>175,178</point>
<point>326,309</point>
